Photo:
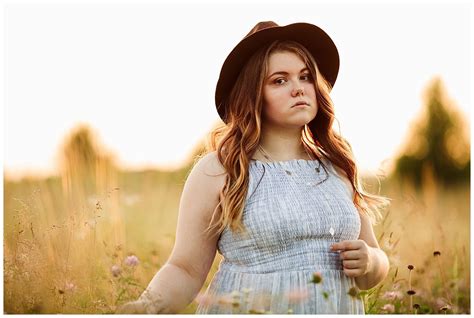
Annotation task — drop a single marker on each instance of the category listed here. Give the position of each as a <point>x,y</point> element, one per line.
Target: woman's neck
<point>281,146</point>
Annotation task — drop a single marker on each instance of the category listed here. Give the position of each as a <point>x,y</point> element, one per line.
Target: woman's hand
<point>133,307</point>
<point>356,257</point>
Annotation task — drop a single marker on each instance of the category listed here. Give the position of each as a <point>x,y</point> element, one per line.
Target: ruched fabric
<point>294,211</point>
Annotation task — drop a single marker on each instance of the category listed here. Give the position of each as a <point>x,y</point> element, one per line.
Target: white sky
<point>144,75</point>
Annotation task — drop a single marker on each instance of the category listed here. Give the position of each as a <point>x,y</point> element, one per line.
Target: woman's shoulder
<point>209,164</point>
<point>205,180</point>
<point>209,171</point>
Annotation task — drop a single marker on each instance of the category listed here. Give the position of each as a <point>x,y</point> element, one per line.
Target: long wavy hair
<point>236,142</point>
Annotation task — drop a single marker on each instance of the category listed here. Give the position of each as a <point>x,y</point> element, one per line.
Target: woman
<point>278,195</point>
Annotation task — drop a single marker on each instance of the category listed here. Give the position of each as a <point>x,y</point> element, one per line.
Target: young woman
<point>278,195</point>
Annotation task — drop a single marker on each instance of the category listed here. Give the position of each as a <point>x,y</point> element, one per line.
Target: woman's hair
<point>236,142</point>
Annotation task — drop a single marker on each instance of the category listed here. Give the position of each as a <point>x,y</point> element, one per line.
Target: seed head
<point>411,292</point>
<point>444,308</point>
<point>416,306</point>
<point>353,291</point>
<point>411,267</point>
<point>317,278</point>
<point>116,270</point>
<point>436,253</point>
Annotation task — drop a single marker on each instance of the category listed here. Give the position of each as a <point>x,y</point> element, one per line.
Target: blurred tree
<point>438,143</point>
<point>86,169</point>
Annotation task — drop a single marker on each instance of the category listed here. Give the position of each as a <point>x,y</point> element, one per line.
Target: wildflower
<point>411,292</point>
<point>235,294</point>
<point>440,302</point>
<point>416,306</point>
<point>70,287</point>
<point>235,298</point>
<point>445,308</point>
<point>295,296</point>
<point>353,291</point>
<point>392,295</point>
<point>116,270</point>
<point>317,278</point>
<point>388,308</point>
<point>132,260</point>
<point>225,299</point>
<point>411,267</point>
<point>246,291</point>
<point>436,253</point>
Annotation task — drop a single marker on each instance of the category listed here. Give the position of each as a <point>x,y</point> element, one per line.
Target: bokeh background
<point>108,105</point>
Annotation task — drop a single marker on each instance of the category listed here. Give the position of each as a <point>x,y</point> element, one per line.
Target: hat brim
<point>313,38</point>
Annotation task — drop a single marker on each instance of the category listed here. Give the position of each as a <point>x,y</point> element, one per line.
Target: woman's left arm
<point>378,261</point>
<point>363,259</point>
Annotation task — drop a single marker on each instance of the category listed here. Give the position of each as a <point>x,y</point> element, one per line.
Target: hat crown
<point>313,38</point>
<point>262,26</point>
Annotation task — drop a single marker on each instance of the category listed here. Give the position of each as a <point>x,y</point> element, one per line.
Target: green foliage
<point>438,143</point>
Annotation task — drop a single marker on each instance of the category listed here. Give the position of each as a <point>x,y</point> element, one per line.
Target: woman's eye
<point>306,77</point>
<point>279,81</point>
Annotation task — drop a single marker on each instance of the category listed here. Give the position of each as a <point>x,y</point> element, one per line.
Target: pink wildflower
<point>392,295</point>
<point>116,270</point>
<point>70,287</point>
<point>441,302</point>
<point>132,260</point>
<point>297,295</point>
<point>388,308</point>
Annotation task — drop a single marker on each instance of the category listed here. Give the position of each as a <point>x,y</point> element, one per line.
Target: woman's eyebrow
<point>286,73</point>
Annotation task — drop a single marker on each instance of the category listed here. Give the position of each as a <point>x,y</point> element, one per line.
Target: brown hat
<point>314,39</point>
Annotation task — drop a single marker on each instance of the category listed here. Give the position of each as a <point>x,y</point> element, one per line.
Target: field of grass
<point>70,248</point>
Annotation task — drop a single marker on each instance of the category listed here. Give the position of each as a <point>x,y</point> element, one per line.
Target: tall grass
<point>75,249</point>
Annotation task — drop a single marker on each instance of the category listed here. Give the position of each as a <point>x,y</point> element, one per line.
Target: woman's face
<point>288,82</point>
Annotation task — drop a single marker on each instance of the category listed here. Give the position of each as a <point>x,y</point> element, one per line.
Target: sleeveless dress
<point>292,217</point>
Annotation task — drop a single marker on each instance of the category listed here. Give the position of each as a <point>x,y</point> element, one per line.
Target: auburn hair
<point>236,142</point>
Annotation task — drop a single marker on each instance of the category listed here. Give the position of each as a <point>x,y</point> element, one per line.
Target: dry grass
<point>68,251</point>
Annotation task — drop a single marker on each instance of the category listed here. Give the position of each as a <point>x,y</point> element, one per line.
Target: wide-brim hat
<point>313,38</point>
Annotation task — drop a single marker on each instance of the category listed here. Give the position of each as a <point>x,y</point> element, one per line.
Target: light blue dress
<point>293,213</point>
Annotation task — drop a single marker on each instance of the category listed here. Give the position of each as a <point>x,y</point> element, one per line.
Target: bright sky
<point>144,75</point>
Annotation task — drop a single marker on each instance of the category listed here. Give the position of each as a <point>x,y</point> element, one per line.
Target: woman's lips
<point>300,104</point>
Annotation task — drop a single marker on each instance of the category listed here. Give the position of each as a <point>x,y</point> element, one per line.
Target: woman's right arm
<point>178,282</point>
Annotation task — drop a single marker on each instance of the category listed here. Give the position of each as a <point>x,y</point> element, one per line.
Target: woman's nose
<point>298,91</point>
